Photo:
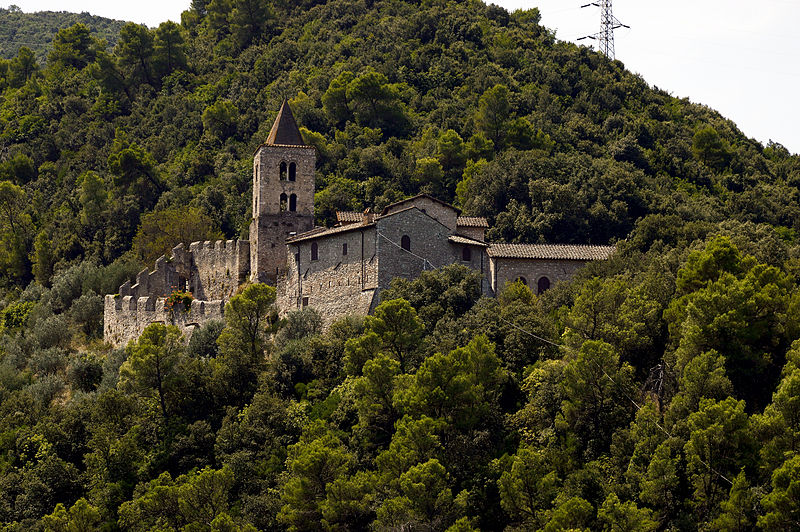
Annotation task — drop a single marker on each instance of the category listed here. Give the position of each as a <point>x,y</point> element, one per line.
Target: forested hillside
<point>37,30</point>
<point>658,390</point>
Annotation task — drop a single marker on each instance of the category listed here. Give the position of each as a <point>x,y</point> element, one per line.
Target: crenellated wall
<point>211,271</point>
<point>125,317</point>
<point>218,268</point>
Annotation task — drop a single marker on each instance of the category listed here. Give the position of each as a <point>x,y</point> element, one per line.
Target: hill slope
<point>36,30</point>
<point>657,390</point>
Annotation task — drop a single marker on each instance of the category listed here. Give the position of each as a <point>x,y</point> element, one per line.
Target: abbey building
<point>338,270</point>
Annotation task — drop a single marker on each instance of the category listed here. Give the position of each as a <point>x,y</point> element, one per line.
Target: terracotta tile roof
<point>395,204</point>
<point>285,131</point>
<point>550,251</point>
<point>458,239</point>
<point>319,232</point>
<point>472,221</point>
<point>349,217</point>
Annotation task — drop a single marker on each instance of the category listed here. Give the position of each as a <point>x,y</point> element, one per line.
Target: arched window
<point>283,172</point>
<point>284,202</point>
<point>292,171</point>
<point>405,243</point>
<point>522,280</point>
<point>314,251</point>
<point>542,285</point>
<point>466,254</point>
<point>293,202</point>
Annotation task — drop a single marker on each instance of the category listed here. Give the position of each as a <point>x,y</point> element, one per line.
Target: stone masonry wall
<point>503,271</point>
<point>268,236</point>
<point>429,240</point>
<point>212,271</point>
<point>125,317</point>
<point>336,285</point>
<point>162,281</point>
<point>445,215</point>
<point>218,268</point>
<point>476,233</point>
<point>270,225</point>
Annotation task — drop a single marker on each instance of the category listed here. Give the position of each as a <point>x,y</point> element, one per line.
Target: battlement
<point>212,271</point>
<point>125,317</point>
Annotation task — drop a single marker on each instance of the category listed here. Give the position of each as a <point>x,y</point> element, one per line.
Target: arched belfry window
<point>292,171</point>
<point>283,172</point>
<point>314,251</point>
<point>284,202</point>
<point>405,243</point>
<point>466,254</point>
<point>522,280</point>
<point>293,202</point>
<point>542,285</point>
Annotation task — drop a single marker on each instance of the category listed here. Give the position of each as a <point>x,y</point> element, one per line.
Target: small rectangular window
<point>305,301</point>
<point>344,248</point>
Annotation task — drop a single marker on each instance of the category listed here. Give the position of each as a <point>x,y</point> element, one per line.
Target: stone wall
<point>218,268</point>
<point>440,212</point>
<point>168,275</point>
<point>212,271</point>
<point>125,317</point>
<point>335,284</point>
<point>272,223</point>
<point>429,241</point>
<point>504,270</point>
<point>476,233</point>
<point>268,236</point>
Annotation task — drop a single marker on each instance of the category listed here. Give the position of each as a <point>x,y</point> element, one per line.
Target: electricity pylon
<point>608,23</point>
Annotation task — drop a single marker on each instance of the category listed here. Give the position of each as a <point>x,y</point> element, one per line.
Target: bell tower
<point>283,196</point>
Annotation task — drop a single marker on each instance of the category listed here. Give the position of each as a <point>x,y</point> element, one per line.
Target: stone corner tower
<point>283,196</point>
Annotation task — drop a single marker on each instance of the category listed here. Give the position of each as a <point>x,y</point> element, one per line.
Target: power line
<point>573,351</point>
<point>608,23</point>
<point>423,259</point>
<point>621,389</point>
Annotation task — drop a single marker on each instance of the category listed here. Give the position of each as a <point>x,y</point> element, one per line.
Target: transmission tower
<point>608,23</point>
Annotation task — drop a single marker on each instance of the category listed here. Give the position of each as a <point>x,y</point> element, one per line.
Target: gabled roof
<point>550,251</point>
<point>284,131</point>
<point>418,196</point>
<point>349,217</point>
<point>472,221</point>
<point>459,239</point>
<point>319,232</point>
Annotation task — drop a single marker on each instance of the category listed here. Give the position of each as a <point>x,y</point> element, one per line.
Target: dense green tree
<point>135,51</point>
<point>313,464</point>
<point>152,365</point>
<point>160,231</point>
<point>169,48</point>
<point>719,443</point>
<point>494,111</point>
<point>529,487</point>
<point>73,47</point>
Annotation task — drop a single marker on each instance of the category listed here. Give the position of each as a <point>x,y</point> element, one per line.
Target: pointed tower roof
<point>285,131</point>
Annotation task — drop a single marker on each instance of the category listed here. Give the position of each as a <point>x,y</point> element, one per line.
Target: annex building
<point>338,270</point>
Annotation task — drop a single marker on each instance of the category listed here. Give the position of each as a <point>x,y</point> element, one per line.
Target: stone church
<point>338,270</point>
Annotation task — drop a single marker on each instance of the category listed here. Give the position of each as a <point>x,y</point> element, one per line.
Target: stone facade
<point>125,317</point>
<point>342,270</point>
<point>531,272</point>
<point>337,271</point>
<point>283,204</point>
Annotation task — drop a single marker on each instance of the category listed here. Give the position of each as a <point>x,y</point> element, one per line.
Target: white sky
<point>739,57</point>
